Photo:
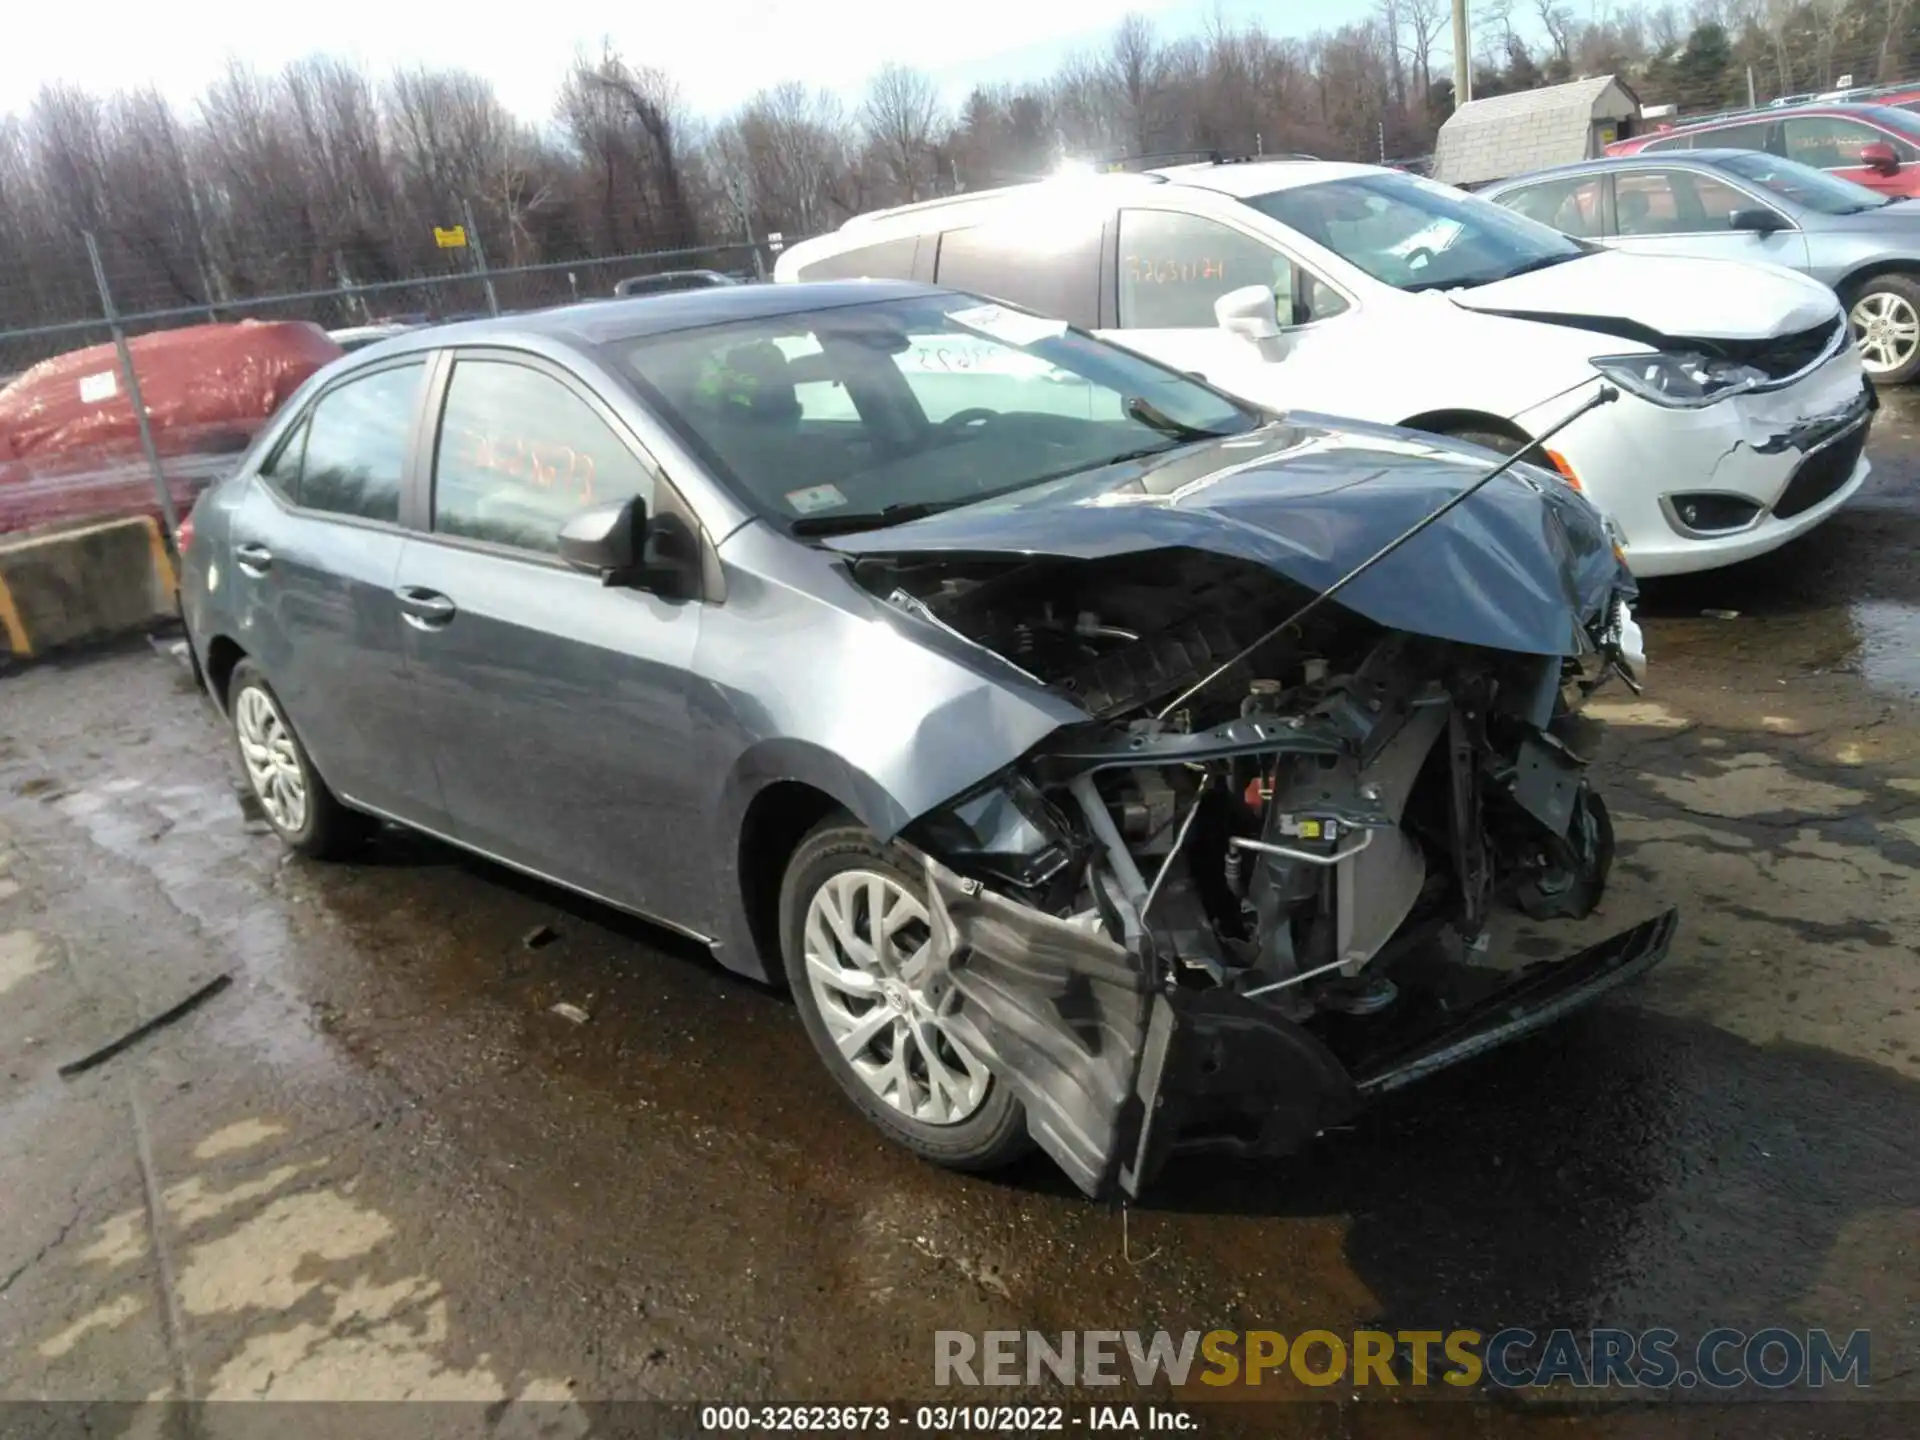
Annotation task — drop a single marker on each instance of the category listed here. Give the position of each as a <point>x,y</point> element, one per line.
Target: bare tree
<point>902,116</point>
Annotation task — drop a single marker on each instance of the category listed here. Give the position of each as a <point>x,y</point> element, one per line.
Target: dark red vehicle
<point>1877,146</point>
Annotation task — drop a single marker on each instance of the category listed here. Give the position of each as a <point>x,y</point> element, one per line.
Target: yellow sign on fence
<point>452,238</point>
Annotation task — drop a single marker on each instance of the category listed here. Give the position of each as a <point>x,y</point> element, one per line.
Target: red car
<point>1877,146</point>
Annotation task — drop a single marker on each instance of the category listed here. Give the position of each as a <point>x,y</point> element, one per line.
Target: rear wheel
<point>1884,315</point>
<point>855,941</point>
<point>292,797</point>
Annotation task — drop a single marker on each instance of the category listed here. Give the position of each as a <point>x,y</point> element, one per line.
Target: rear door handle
<point>252,558</point>
<point>424,609</point>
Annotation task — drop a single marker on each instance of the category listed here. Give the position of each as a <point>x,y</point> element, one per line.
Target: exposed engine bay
<point>1256,885</point>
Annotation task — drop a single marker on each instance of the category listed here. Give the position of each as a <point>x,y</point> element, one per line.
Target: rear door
<point>1682,211</point>
<point>315,545</point>
<point>556,706</point>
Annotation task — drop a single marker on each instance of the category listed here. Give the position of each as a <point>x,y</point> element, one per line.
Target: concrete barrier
<point>86,583</point>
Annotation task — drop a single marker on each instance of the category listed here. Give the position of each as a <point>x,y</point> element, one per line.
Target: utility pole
<point>1462,56</point>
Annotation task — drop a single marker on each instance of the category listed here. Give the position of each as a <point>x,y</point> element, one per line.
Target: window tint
<point>1828,142</point>
<point>1048,265</point>
<point>1173,267</point>
<point>356,445</point>
<point>1571,206</point>
<point>1674,202</point>
<point>889,260</point>
<point>519,453</point>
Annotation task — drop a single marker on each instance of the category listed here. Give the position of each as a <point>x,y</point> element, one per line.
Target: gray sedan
<point>972,676</point>
<point>1748,205</point>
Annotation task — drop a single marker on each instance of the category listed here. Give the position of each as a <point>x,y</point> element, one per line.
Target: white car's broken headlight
<point>1683,381</point>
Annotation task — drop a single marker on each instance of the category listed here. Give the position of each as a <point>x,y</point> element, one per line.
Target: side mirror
<point>1880,157</point>
<point>1252,313</point>
<point>606,540</point>
<point>1755,221</point>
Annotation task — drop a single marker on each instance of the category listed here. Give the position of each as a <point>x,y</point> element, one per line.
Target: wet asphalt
<point>380,1165</point>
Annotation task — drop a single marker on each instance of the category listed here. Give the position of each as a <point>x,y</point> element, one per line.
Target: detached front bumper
<point>1698,489</point>
<point>1117,1072</point>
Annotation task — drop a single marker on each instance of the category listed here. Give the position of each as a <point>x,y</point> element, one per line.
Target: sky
<point>720,52</point>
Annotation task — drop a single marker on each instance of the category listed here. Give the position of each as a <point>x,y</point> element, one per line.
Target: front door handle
<point>424,609</point>
<point>253,558</point>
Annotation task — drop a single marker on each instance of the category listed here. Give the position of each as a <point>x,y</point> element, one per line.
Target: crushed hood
<point>1522,565</point>
<point>1660,296</point>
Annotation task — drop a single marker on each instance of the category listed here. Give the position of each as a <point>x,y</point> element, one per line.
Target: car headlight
<point>1680,380</point>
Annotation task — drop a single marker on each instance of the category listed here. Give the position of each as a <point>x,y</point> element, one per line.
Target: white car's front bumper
<point>1733,464</point>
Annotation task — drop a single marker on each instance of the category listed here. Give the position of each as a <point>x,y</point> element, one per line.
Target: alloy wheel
<point>1886,327</point>
<point>272,759</point>
<point>868,955</point>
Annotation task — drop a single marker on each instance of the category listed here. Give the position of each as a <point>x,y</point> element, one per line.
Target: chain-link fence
<point>84,305</point>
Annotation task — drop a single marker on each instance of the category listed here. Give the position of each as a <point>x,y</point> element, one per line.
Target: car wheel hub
<point>1887,330</point>
<point>868,951</point>
<point>272,762</point>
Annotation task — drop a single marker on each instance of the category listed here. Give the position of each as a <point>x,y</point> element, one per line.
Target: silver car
<point>973,676</point>
<point>1749,205</point>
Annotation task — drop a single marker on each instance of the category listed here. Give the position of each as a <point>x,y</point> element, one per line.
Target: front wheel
<point>1884,316</point>
<point>292,797</point>
<point>856,944</point>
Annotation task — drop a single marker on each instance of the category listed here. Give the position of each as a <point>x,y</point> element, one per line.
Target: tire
<point>1884,315</point>
<point>271,756</point>
<point>820,878</point>
<point>1494,440</point>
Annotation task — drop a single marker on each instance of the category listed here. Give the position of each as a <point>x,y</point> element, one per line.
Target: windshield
<point>1901,122</point>
<point>866,414</point>
<point>1415,234</point>
<point>1814,189</point>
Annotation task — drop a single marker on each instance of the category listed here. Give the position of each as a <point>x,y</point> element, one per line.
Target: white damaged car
<point>1359,291</point>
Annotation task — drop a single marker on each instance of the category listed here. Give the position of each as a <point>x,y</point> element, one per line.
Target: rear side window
<point>355,447</point>
<point>1738,137</point>
<point>1571,206</point>
<point>1050,265</point>
<point>1681,141</point>
<point>888,260</point>
<point>520,453</point>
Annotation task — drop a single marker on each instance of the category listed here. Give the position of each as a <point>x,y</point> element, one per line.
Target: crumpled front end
<point>1226,923</point>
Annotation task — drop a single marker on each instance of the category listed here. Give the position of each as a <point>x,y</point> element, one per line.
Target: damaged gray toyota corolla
<point>1107,764</point>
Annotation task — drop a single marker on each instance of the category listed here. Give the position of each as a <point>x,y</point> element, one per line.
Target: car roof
<point>602,322</point>
<point>1241,178</point>
<point>1637,160</point>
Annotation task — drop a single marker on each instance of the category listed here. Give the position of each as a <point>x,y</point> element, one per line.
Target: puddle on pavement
<point>1889,645</point>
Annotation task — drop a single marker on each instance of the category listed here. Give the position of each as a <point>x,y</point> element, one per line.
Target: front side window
<point>1417,234</point>
<point>1173,267</point>
<point>1571,206</point>
<point>1832,142</point>
<point>834,419</point>
<point>356,445</point>
<point>520,453</point>
<point>1674,202</point>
